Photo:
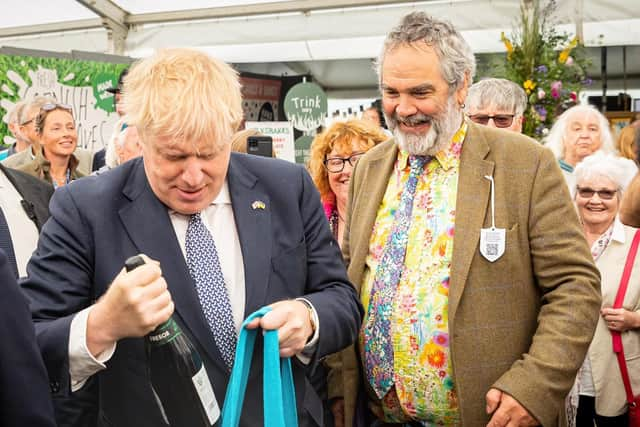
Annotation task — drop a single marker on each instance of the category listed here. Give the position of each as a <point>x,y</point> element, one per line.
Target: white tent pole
<point>114,19</point>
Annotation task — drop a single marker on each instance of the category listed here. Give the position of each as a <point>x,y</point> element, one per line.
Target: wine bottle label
<point>165,333</point>
<point>207,397</point>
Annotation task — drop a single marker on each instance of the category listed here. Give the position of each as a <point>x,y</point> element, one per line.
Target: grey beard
<point>436,139</point>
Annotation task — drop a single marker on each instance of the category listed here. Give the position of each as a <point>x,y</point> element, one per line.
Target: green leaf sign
<point>104,99</point>
<point>306,106</point>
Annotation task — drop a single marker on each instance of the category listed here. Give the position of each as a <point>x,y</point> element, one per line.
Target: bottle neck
<point>165,333</point>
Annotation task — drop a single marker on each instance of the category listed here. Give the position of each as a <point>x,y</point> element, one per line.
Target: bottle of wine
<point>179,379</point>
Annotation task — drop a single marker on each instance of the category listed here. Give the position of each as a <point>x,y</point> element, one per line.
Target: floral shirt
<point>422,375</point>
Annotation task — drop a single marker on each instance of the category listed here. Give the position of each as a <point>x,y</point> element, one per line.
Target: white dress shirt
<point>219,220</point>
<point>24,233</point>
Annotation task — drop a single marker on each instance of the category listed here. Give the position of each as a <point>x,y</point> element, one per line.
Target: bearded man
<point>480,292</point>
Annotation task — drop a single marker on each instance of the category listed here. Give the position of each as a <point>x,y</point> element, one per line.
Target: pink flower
<point>573,96</point>
<point>569,61</point>
<point>556,88</point>
<point>541,94</point>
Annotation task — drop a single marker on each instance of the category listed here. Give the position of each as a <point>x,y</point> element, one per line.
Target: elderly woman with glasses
<point>497,103</point>
<point>334,153</point>
<point>599,393</point>
<point>54,161</point>
<point>577,133</point>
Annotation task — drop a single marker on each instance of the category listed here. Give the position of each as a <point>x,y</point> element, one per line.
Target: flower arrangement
<point>550,66</point>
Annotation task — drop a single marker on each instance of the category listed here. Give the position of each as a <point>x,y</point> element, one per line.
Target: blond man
<point>261,217</point>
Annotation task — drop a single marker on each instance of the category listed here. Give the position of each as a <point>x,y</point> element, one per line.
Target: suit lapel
<point>471,207</point>
<point>160,243</point>
<point>369,195</point>
<point>252,214</point>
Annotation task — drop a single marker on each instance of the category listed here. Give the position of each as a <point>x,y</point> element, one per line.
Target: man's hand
<point>293,322</point>
<point>507,412</point>
<point>134,305</point>
<point>337,409</point>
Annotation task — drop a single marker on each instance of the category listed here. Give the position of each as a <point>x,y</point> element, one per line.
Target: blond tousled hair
<point>341,136</point>
<point>184,95</point>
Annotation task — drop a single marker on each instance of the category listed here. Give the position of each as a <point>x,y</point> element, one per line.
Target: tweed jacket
<point>611,399</point>
<point>521,324</point>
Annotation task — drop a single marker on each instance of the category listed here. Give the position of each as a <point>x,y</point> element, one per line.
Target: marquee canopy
<point>297,36</point>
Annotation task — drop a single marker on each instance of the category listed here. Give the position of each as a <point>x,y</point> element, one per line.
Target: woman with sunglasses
<point>54,161</point>
<point>334,153</point>
<point>599,393</point>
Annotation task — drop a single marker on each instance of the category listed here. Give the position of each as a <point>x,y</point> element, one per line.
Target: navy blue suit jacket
<point>24,389</point>
<point>98,222</point>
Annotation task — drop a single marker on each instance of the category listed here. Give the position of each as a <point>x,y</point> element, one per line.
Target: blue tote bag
<point>278,391</point>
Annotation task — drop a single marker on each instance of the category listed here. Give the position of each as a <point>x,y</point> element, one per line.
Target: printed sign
<point>306,106</point>
<point>80,84</point>
<point>260,99</point>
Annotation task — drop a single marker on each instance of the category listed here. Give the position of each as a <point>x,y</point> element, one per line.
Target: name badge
<point>492,242</point>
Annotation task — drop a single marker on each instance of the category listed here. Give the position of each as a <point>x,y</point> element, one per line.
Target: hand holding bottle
<point>134,305</point>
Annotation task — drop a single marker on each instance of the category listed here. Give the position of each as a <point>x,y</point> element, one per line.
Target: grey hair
<point>110,153</point>
<point>35,103</point>
<point>456,58</point>
<point>16,112</point>
<point>555,138</point>
<point>501,94</point>
<point>618,169</point>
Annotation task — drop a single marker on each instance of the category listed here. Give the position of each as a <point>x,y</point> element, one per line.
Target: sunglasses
<point>587,193</point>
<point>51,106</point>
<point>500,120</point>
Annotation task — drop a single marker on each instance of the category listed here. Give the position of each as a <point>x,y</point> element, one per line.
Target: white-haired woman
<point>124,147</point>
<point>577,133</point>
<point>599,393</point>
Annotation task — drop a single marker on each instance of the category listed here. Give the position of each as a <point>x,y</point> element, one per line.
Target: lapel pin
<point>258,205</point>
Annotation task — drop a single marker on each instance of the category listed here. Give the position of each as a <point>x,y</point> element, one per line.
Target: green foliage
<point>70,72</point>
<point>549,66</point>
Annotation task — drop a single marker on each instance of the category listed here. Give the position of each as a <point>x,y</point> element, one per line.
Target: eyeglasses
<point>588,193</point>
<point>26,122</point>
<point>336,164</point>
<point>500,120</point>
<point>51,106</point>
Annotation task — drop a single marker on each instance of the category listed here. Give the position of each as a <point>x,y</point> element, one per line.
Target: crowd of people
<point>429,266</point>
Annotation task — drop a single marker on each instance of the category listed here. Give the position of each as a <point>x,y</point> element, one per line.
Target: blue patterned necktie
<point>204,267</point>
<point>7,245</point>
<point>378,344</point>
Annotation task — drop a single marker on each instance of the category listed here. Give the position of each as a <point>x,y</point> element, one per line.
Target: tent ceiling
<point>334,40</point>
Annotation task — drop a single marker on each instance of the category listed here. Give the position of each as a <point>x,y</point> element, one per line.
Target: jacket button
<point>55,386</point>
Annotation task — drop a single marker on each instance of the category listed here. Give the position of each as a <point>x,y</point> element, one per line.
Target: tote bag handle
<point>278,391</point>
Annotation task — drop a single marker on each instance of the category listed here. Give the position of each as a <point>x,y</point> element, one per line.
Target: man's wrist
<point>312,317</point>
<point>99,337</point>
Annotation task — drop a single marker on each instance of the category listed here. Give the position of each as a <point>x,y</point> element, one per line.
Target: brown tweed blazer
<point>521,324</point>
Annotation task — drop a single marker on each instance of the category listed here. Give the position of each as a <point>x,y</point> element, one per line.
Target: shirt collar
<point>223,197</point>
<point>447,157</point>
<point>565,166</point>
<point>618,233</point>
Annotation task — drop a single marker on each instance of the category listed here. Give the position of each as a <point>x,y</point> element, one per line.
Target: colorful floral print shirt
<point>423,383</point>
